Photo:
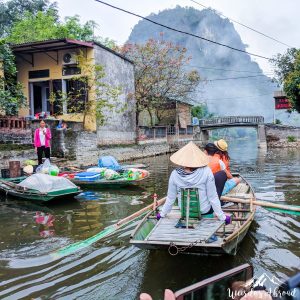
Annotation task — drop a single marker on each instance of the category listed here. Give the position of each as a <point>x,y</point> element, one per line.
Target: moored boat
<point>176,233</point>
<point>61,187</point>
<point>104,177</point>
<point>137,166</point>
<point>106,183</point>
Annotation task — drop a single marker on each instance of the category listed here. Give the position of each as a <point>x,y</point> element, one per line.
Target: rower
<point>193,172</point>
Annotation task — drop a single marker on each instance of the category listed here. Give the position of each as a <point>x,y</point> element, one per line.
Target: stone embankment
<point>283,144</point>
<point>122,153</point>
<point>281,136</point>
<point>21,155</point>
<point>89,156</point>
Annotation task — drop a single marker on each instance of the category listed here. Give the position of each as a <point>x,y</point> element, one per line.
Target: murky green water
<point>113,269</point>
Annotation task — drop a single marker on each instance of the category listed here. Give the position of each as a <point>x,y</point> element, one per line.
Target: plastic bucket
<point>5,173</point>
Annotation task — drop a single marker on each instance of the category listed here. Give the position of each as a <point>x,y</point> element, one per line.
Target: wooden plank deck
<point>166,231</point>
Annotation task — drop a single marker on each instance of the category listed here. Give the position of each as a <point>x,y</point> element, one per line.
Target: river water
<point>112,268</point>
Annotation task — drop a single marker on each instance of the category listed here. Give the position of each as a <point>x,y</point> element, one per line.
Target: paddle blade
<point>270,196</point>
<point>284,211</point>
<point>83,244</point>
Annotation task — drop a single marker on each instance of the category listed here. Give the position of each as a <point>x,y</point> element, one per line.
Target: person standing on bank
<point>42,137</point>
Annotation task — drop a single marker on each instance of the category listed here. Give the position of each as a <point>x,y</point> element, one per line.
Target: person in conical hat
<point>193,172</point>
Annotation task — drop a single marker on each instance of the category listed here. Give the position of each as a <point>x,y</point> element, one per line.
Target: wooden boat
<point>206,236</point>
<point>231,284</point>
<point>104,183</point>
<point>135,166</point>
<point>10,186</point>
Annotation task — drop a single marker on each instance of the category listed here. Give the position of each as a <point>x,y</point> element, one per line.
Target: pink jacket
<point>37,142</point>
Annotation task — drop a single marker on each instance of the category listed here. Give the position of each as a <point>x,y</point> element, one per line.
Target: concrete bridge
<point>234,121</point>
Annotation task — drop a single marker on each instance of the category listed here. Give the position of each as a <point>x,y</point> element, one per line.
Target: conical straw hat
<point>190,156</point>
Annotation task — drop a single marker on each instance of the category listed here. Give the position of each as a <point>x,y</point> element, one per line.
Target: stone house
<point>171,113</point>
<point>50,68</point>
<point>171,123</point>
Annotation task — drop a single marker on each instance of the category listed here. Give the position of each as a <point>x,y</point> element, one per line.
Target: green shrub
<point>291,139</point>
<point>278,122</point>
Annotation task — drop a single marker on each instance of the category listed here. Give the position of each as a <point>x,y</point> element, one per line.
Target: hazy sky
<point>277,18</point>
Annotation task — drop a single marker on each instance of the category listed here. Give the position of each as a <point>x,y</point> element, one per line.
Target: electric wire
<point>228,70</point>
<point>242,97</point>
<point>241,24</point>
<point>205,39</point>
<point>183,32</point>
<point>231,78</point>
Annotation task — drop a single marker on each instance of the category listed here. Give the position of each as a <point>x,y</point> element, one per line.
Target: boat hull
<point>229,247</point>
<point>216,239</point>
<point>43,198</point>
<point>107,183</point>
<point>34,195</point>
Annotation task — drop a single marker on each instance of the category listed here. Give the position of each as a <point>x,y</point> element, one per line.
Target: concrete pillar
<point>261,137</point>
<point>204,136</point>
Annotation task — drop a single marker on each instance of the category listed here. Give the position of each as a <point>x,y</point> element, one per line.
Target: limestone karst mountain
<point>244,96</point>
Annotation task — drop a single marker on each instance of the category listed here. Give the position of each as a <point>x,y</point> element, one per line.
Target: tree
<point>201,111</point>
<point>45,25</point>
<point>160,74</point>
<point>14,10</point>
<point>11,95</point>
<point>288,74</point>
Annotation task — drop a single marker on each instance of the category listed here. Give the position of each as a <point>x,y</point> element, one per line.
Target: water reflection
<point>111,268</point>
<point>45,221</point>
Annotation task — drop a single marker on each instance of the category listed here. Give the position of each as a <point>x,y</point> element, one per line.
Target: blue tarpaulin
<point>109,162</point>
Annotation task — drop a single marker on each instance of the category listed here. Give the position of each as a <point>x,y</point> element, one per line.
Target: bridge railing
<point>232,120</point>
<point>164,133</point>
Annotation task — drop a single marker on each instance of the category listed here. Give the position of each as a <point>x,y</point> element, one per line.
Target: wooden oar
<point>104,233</point>
<point>10,184</point>
<point>281,207</point>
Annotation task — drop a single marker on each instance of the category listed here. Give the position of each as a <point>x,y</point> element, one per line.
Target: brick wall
<point>15,136</point>
<point>14,130</point>
<point>184,111</point>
